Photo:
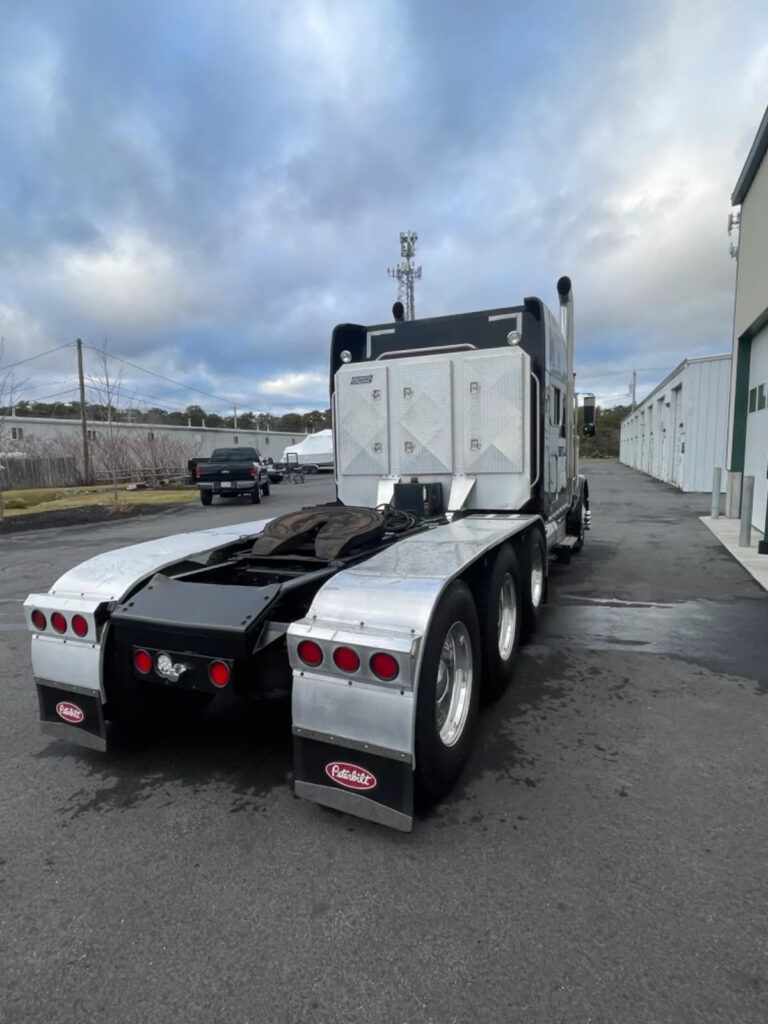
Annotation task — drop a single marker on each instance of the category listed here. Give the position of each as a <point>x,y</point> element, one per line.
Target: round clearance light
<point>39,621</point>
<point>346,659</point>
<point>219,673</point>
<point>80,625</point>
<point>513,338</point>
<point>384,666</point>
<point>345,356</point>
<point>142,661</point>
<point>58,622</point>
<point>310,652</point>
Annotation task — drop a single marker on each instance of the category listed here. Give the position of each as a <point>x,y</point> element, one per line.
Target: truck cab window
<point>555,406</point>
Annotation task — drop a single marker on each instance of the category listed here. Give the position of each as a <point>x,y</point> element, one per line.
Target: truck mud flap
<point>74,714</point>
<point>355,781</point>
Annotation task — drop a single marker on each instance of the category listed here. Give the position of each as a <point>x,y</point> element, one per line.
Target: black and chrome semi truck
<point>385,617</point>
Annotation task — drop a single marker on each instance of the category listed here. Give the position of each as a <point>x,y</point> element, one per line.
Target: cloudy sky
<point>209,187</point>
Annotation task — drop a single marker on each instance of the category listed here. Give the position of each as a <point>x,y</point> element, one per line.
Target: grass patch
<point>19,503</point>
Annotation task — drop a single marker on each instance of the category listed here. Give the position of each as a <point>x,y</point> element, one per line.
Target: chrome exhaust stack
<point>565,294</point>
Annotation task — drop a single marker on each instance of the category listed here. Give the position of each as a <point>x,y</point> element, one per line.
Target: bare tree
<point>156,455</point>
<point>9,391</point>
<point>122,452</point>
<point>107,444</point>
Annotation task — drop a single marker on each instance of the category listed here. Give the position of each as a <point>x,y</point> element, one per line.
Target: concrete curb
<point>727,532</point>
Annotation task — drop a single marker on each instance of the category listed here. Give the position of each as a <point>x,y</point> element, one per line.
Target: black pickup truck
<point>231,473</point>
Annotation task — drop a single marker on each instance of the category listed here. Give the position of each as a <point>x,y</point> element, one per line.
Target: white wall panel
<point>200,441</point>
<point>678,433</point>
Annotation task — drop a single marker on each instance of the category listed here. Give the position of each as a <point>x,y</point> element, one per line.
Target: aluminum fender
<point>110,576</point>
<point>396,593</point>
<point>73,661</point>
<point>67,663</point>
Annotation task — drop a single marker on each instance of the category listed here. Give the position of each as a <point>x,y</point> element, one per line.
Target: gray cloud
<point>212,187</point>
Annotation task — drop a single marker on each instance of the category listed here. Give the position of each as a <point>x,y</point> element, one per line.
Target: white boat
<point>314,453</point>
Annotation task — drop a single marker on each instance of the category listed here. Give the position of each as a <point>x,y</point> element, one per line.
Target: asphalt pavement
<point>602,859</point>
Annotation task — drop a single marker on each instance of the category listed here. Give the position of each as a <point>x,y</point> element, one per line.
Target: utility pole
<point>83,416</point>
<point>634,389</point>
<point>235,417</point>
<point>405,273</point>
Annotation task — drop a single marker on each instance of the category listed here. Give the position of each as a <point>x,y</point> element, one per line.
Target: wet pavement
<point>602,859</point>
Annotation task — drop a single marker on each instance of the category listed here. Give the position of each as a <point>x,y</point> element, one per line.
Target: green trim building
<point>748,427</point>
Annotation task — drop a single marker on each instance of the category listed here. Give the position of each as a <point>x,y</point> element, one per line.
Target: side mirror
<point>589,416</point>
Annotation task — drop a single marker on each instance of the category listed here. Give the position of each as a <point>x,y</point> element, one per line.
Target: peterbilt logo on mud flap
<point>351,776</point>
<point>70,712</point>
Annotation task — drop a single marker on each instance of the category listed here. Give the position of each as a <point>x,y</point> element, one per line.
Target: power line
<point>40,355</point>
<point>176,383</point>
<point>56,394</point>
<point>129,395</point>
<point>47,384</point>
<point>147,399</point>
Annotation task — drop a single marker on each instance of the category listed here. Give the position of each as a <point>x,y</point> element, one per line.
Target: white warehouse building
<point>123,447</point>
<point>678,433</point>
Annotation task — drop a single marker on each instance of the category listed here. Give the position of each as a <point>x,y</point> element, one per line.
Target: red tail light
<point>197,472</point>
<point>346,659</point>
<point>58,622</point>
<point>79,625</point>
<point>143,662</point>
<point>39,621</point>
<point>384,666</point>
<point>219,673</point>
<point>252,470</point>
<point>310,652</point>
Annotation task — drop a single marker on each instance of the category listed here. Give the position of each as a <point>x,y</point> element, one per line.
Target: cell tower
<point>405,273</point>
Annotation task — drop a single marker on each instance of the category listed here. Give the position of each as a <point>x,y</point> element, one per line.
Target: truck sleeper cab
<point>387,616</point>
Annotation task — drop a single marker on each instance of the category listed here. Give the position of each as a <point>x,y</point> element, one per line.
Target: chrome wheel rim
<point>454,684</point>
<point>537,575</point>
<point>507,622</point>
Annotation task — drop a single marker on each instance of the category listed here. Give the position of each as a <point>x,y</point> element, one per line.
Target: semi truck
<point>386,616</point>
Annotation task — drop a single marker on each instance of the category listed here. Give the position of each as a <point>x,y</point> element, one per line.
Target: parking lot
<point>602,859</point>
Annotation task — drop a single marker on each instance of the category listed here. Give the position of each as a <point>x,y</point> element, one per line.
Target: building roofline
<point>670,376</point>
<point>68,421</point>
<point>752,163</point>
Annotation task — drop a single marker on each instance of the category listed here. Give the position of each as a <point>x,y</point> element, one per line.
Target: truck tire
<point>534,588</point>
<point>256,495</point>
<point>501,624</point>
<point>206,497</point>
<point>448,692</point>
<point>265,489</point>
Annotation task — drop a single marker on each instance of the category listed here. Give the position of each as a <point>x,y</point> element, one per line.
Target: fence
<point>22,473</point>
<point>139,474</point>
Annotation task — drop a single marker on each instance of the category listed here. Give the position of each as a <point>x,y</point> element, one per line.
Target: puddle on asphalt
<point>728,637</point>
